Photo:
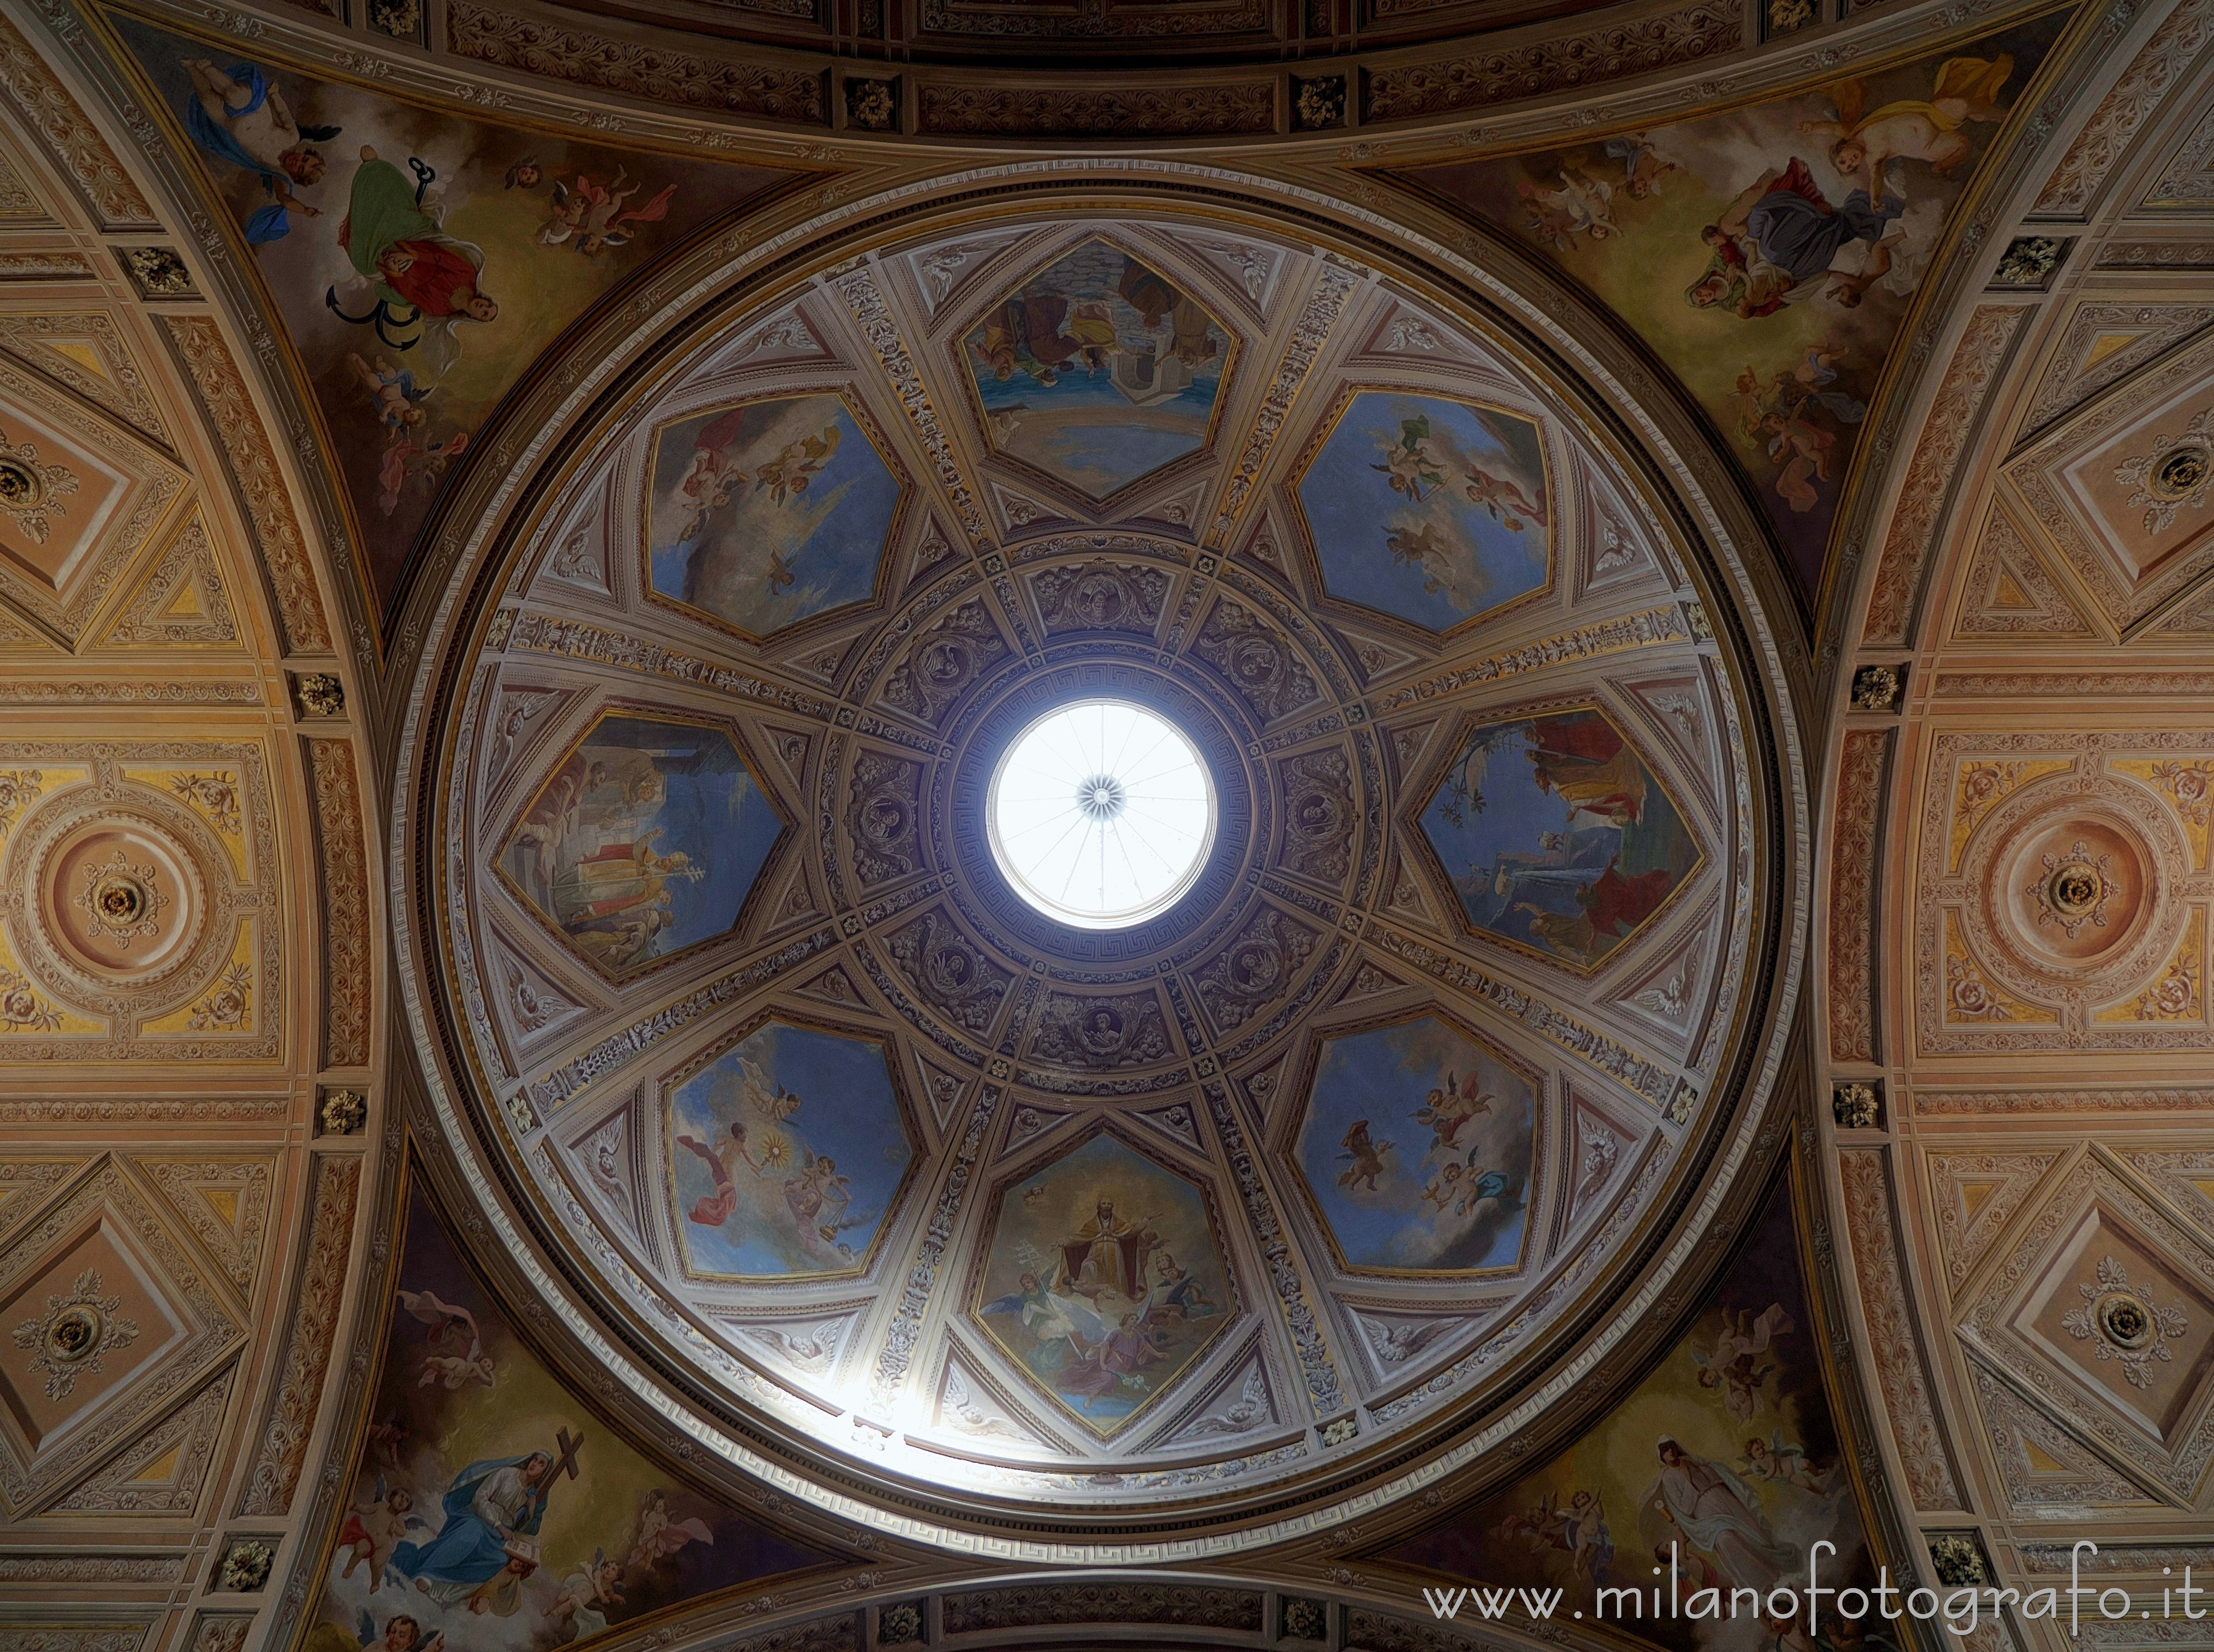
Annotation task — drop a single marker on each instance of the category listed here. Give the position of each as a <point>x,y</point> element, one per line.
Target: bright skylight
<point>1101,814</point>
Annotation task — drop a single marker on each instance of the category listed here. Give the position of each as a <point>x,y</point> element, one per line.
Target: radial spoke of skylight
<point>1101,814</point>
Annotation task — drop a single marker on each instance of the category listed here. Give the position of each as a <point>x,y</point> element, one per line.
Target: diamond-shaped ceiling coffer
<point>2104,1309</point>
<point>104,1317</point>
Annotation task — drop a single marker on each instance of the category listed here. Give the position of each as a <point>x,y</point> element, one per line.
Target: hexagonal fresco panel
<point>1097,371</point>
<point>1392,1202</point>
<point>645,840</point>
<point>787,1154</point>
<point>1104,1280</point>
<point>767,513</point>
<point>1432,510</point>
<point>1557,835</point>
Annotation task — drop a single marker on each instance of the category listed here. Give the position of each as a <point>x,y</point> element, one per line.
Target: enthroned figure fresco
<point>1103,1280</point>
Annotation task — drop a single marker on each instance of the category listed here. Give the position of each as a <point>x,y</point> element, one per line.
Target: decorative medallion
<point>69,1339</point>
<point>2121,1322</point>
<point>28,489</point>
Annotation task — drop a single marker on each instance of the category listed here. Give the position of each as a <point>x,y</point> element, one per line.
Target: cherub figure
<point>1444,1188</point>
<point>1773,1459</point>
<point>371,1531</point>
<point>399,404</point>
<point>1504,497</point>
<point>723,1165</point>
<point>1367,1156</point>
<point>450,1326</point>
<point>604,214</point>
<point>1864,145</point>
<point>657,1536</point>
<point>1410,467</point>
<point>579,1607</point>
<point>240,117</point>
<point>1449,1107</point>
<point>786,476</point>
<point>1738,1365</point>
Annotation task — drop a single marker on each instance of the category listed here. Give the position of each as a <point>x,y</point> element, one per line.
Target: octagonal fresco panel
<point>786,1154</point>
<point>1104,1280</point>
<point>645,841</point>
<point>1432,510</point>
<point>1557,835</point>
<point>1097,371</point>
<point>765,513</point>
<point>1415,1149</point>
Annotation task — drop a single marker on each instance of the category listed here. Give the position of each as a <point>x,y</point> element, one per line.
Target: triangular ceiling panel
<point>1370,980</point>
<point>968,1403</point>
<point>223,1203</point>
<point>1177,1122</point>
<point>606,1155</point>
<point>941,1092</point>
<point>1602,1147</point>
<point>2105,343</point>
<point>1665,994</point>
<point>85,350</point>
<point>181,602</point>
<point>2011,591</point>
<point>1617,542</point>
<point>1973,1196</point>
<point>1677,709</point>
<point>522,718</point>
<point>1394,1344</point>
<point>1610,213</point>
<point>534,1007</point>
<point>945,268</point>
<point>164,1470</point>
<point>579,557</point>
<point>1240,1403</point>
<point>1252,270</point>
<point>788,337</point>
<point>25,1182</point>
<point>809,1342</point>
<point>2045,1467</point>
<point>399,421</point>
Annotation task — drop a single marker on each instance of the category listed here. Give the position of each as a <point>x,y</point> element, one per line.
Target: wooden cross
<point>566,1463</point>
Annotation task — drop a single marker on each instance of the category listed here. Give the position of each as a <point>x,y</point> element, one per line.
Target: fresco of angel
<point>1740,1364</point>
<point>1864,146</point>
<point>777,1200</point>
<point>1050,1318</point>
<point>1779,1461</point>
<point>1366,1154</point>
<point>372,1531</point>
<point>451,1328</point>
<point>1447,1108</point>
<point>656,1535</point>
<point>786,476</point>
<point>579,1607</point>
<point>401,1633</point>
<point>240,117</point>
<point>1578,1528</point>
<point>1409,465</point>
<point>393,391</point>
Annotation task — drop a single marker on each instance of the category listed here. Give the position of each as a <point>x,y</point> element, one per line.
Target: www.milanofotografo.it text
<point>1958,1609</point>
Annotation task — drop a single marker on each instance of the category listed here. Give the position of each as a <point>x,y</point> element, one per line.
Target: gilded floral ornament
<point>69,1340</point>
<point>2176,473</point>
<point>2074,889</point>
<point>1969,995</point>
<point>2191,785</point>
<point>19,789</point>
<point>2121,1321</point>
<point>121,903</point>
<point>21,1010</point>
<point>224,1009</point>
<point>28,489</point>
<point>216,794</point>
